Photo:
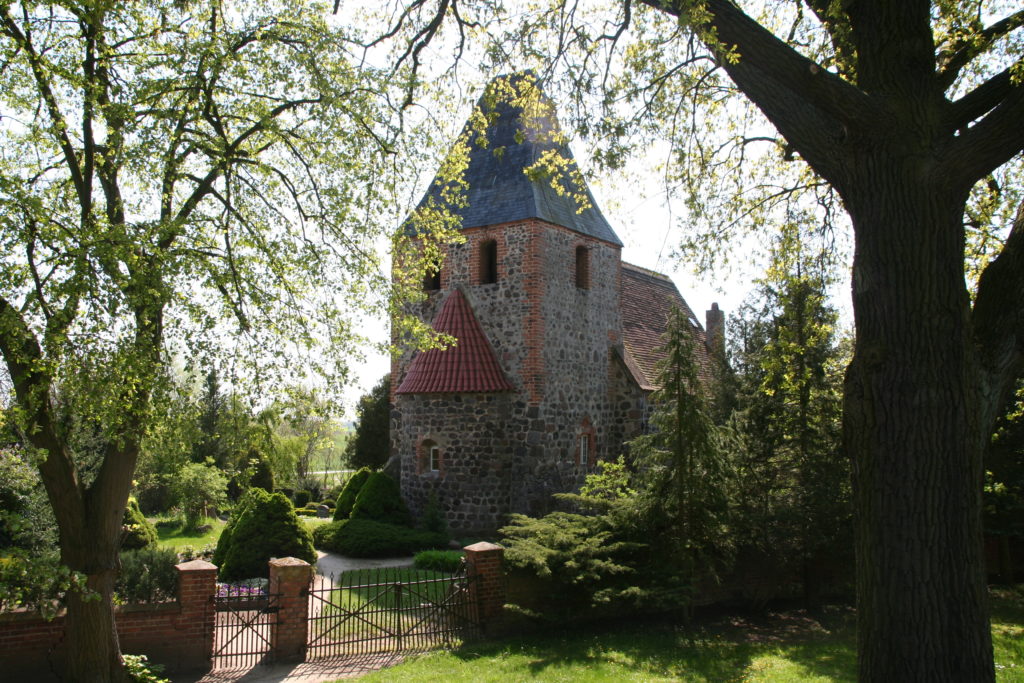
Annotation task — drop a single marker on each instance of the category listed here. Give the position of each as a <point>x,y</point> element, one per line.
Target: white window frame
<point>435,459</point>
<point>584,449</point>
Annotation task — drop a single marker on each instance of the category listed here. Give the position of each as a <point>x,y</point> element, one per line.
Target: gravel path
<point>330,563</point>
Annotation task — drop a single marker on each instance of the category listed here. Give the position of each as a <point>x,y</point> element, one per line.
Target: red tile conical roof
<point>469,366</point>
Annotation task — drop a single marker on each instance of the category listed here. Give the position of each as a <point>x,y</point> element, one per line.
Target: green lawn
<point>786,647</point>
<point>173,536</point>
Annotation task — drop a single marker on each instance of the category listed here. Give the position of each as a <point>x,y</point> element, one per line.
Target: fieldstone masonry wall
<point>507,453</point>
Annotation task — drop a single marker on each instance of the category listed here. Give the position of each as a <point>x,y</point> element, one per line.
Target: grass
<point>171,534</point>
<point>783,647</point>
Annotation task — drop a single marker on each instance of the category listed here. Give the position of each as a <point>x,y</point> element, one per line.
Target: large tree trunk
<point>93,650</point>
<point>913,428</point>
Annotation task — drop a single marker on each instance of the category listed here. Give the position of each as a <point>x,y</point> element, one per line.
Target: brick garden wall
<point>178,634</point>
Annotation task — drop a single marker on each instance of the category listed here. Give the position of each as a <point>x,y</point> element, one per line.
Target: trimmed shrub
<point>329,502</point>
<point>262,475</point>
<point>366,538</point>
<point>147,575</point>
<point>347,498</point>
<point>266,527</point>
<point>136,531</point>
<point>312,505</point>
<point>433,519</point>
<point>439,560</point>
<point>302,497</point>
<point>381,501</point>
<point>305,512</point>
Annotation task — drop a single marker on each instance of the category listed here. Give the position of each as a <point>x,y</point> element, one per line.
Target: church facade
<point>556,344</point>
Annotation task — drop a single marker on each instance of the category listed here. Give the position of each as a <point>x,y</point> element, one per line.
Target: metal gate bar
<point>389,609</point>
<point>244,627</point>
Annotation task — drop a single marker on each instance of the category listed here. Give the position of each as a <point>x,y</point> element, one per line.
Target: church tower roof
<point>469,366</point>
<point>521,127</point>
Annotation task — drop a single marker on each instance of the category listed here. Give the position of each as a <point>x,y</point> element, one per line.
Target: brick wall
<point>178,635</point>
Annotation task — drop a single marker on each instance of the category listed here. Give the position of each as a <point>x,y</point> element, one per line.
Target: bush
<point>347,498</point>
<point>263,527</point>
<point>433,518</point>
<point>302,497</point>
<point>329,502</point>
<point>439,560</point>
<point>312,505</point>
<point>147,575</point>
<point>380,501</point>
<point>136,531</point>
<point>367,538</point>
<point>305,512</point>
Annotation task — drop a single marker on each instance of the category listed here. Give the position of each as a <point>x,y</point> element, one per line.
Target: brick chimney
<point>715,331</point>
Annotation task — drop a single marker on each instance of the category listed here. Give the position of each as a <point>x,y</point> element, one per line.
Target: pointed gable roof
<point>498,189</point>
<point>469,366</point>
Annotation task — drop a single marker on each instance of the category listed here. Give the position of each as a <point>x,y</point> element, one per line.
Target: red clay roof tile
<point>468,366</point>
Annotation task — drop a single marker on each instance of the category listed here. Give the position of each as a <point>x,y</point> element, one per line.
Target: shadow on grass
<point>724,649</point>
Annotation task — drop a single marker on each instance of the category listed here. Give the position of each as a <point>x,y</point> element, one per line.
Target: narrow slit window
<point>435,459</point>
<point>488,262</point>
<point>582,268</point>
<point>584,449</point>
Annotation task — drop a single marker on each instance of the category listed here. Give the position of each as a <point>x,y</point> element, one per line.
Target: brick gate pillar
<point>484,566</point>
<point>289,580</point>
<point>197,588</point>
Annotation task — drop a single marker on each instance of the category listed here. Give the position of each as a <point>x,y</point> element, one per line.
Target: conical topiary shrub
<point>137,531</point>
<point>267,527</point>
<point>381,501</point>
<point>347,497</point>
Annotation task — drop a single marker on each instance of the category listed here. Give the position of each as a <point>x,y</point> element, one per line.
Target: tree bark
<point>93,650</point>
<point>913,425</point>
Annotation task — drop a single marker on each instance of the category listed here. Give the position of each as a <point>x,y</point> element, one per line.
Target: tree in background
<point>1004,488</point>
<point>371,445</point>
<point>179,171</point>
<point>685,473</point>
<point>199,489</point>
<point>794,494</point>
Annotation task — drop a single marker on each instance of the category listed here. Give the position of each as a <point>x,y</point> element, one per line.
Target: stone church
<point>556,341</point>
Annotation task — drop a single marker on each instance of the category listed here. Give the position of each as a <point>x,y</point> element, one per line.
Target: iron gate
<point>389,609</point>
<point>244,627</point>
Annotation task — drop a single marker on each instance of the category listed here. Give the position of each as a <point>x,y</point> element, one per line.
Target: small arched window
<point>488,262</point>
<point>430,459</point>
<point>432,281</point>
<point>586,444</point>
<point>582,267</point>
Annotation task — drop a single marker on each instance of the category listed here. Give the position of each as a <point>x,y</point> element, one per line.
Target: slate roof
<point>469,366</point>
<point>498,189</point>
<point>647,298</point>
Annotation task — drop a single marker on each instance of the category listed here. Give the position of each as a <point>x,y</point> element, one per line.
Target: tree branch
<point>961,54</point>
<point>978,102</point>
<point>998,321</point>
<point>988,144</point>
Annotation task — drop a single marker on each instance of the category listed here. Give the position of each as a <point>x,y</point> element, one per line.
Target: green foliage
<point>433,518</point>
<point>147,575</point>
<point>686,475</point>
<point>26,520</point>
<point>137,532</point>
<point>447,561</point>
<point>793,502</point>
<point>302,497</point>
<point>199,488</point>
<point>263,526</point>
<point>367,538</point>
<point>262,474</point>
<point>347,497</point>
<point>37,581</point>
<point>139,670</point>
<point>380,500</point>
<point>371,444</point>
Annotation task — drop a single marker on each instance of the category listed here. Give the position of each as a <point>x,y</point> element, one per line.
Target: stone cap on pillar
<point>288,562</point>
<point>196,566</point>
<point>482,547</point>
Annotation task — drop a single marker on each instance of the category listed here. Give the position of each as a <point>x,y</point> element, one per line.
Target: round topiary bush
<point>302,496</point>
<point>381,501</point>
<point>367,538</point>
<point>136,531</point>
<point>266,527</point>
<point>347,497</point>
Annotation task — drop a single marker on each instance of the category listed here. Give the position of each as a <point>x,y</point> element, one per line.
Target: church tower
<point>540,385</point>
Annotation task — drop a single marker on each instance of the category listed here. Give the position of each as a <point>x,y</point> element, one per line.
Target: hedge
<point>347,497</point>
<point>367,538</point>
<point>380,501</point>
<point>263,526</point>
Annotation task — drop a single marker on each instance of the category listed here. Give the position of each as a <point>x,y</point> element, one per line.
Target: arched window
<point>586,444</point>
<point>488,262</point>
<point>430,458</point>
<point>432,281</point>
<point>582,267</point>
